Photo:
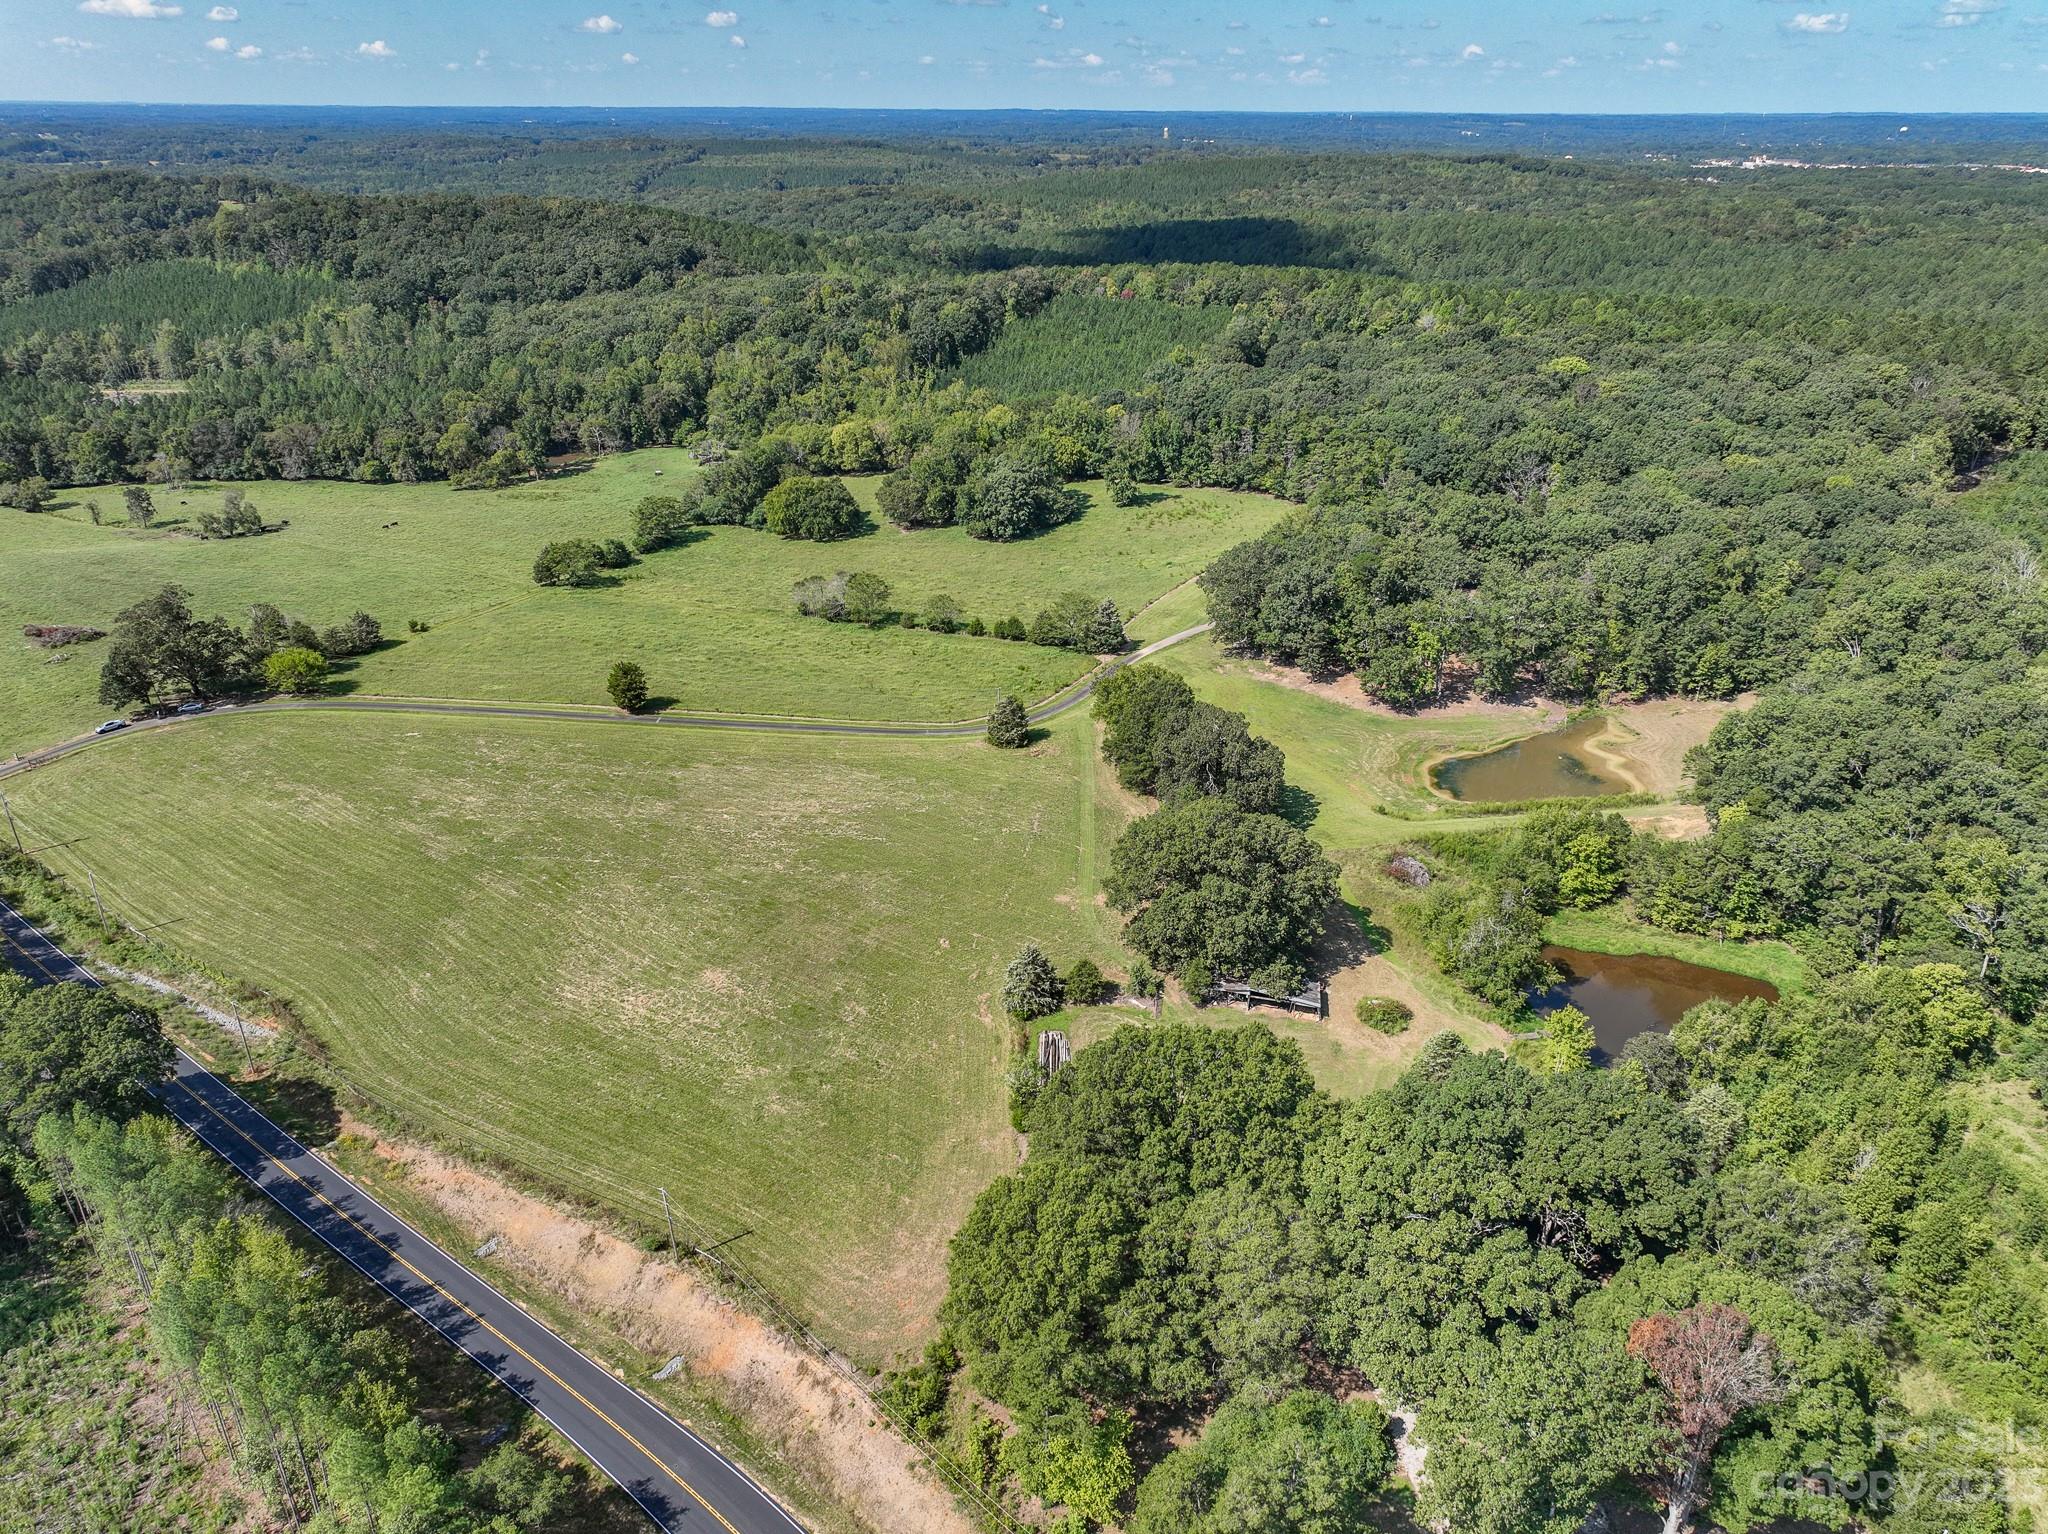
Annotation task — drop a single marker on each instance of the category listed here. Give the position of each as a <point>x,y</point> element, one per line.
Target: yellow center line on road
<point>381,1245</point>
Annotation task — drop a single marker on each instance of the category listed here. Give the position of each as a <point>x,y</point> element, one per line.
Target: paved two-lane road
<point>681,1483</point>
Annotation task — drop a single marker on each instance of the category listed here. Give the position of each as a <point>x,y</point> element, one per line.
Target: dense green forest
<point>1581,429</point>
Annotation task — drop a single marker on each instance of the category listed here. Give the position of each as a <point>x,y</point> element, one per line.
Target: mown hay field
<point>712,621</point>
<point>756,970</point>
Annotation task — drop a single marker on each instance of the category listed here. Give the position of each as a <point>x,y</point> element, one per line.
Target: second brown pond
<point>1624,994</point>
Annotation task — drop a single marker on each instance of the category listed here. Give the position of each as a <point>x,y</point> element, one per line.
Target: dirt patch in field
<point>1347,1057</point>
<point>1653,737</point>
<point>1673,822</point>
<point>1542,713</point>
<point>1645,744</point>
<point>815,1418</point>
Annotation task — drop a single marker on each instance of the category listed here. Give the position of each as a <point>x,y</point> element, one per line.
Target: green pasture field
<point>758,970</point>
<point>711,621</point>
<point>1353,764</point>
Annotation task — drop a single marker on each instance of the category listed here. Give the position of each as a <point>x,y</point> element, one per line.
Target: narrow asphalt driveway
<point>1059,703</point>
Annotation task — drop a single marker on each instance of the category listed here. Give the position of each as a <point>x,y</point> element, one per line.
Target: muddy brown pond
<point>1624,994</point>
<point>1553,765</point>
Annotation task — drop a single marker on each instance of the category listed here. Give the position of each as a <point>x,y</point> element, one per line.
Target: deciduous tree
<point>1714,1366</point>
<point>295,669</point>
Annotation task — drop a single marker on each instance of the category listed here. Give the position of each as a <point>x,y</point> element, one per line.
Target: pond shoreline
<point>1624,995</point>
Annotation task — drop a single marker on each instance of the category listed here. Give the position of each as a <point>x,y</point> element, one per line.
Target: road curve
<point>682,1484</point>
<point>1059,703</point>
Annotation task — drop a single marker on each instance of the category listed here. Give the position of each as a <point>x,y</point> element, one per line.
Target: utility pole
<point>11,826</point>
<point>669,1215</point>
<point>242,1033</point>
<point>106,927</point>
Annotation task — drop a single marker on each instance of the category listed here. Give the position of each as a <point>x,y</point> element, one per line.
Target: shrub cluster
<point>1033,988</point>
<point>1383,1014</point>
<point>161,649</point>
<point>1071,622</point>
<point>579,561</point>
<point>847,596</point>
<point>235,519</point>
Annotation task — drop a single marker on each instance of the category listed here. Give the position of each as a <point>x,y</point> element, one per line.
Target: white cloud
<point>1294,58</point>
<point>74,44</point>
<point>377,50</point>
<point>1322,21</point>
<point>248,51</point>
<point>138,10</point>
<point>1824,21</point>
<point>722,19</point>
<point>1073,58</point>
<point>1672,50</point>
<point>600,24</point>
<point>1307,77</point>
<point>223,13</point>
<point>1473,51</point>
<point>926,58</point>
<point>629,58</point>
<point>1967,13</point>
<point>217,44</point>
<point>737,41</point>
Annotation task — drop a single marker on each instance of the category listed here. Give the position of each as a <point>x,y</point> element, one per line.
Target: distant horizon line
<point>1035,111</point>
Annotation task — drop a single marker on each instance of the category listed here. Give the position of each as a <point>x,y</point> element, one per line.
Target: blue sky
<point>1284,55</point>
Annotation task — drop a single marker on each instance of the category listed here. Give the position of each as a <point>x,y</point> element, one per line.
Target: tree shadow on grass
<point>305,1108</point>
<point>678,540</point>
<point>1299,807</point>
<point>1350,937</point>
<point>341,680</point>
<point>660,703</point>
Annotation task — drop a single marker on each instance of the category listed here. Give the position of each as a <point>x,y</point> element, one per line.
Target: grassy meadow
<point>756,970</point>
<point>711,621</point>
<point>1362,770</point>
